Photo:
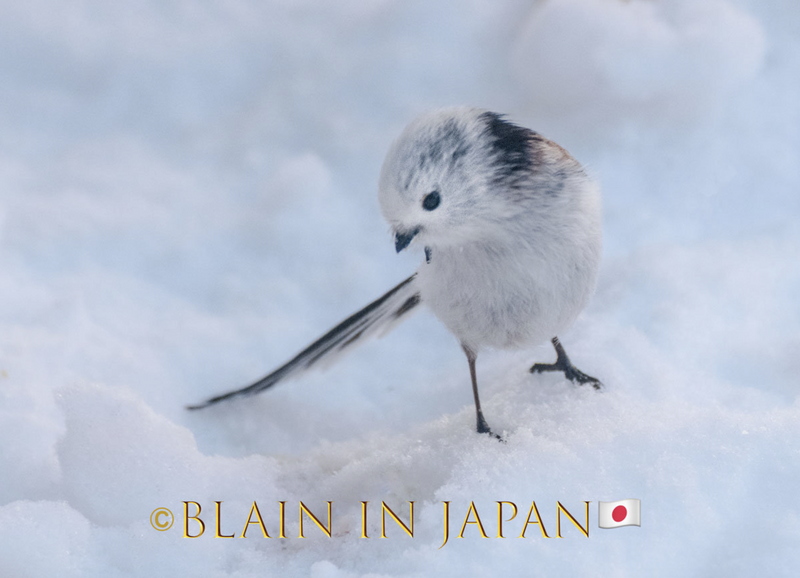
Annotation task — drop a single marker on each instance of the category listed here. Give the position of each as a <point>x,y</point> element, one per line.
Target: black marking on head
<point>448,140</point>
<point>556,184</point>
<point>554,189</point>
<point>428,254</point>
<point>460,152</point>
<point>512,145</point>
<point>409,178</point>
<point>409,304</point>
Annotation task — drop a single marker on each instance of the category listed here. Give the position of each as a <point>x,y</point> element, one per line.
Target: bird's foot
<point>484,428</point>
<point>571,372</point>
<point>574,374</point>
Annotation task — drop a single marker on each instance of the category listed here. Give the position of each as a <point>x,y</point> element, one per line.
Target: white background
<point>188,197</point>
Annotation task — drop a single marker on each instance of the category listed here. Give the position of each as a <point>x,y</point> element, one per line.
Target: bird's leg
<point>564,364</point>
<point>482,426</point>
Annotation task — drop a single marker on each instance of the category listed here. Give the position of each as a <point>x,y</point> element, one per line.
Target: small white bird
<point>510,225</point>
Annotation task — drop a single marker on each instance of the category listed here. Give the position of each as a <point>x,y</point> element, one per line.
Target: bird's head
<point>449,178</point>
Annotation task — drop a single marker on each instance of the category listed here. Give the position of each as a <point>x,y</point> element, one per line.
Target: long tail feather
<point>376,318</point>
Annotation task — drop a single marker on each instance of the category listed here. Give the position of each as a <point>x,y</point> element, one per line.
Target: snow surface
<point>188,198</point>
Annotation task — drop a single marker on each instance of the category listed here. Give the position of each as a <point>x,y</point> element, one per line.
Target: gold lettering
<point>446,523</point>
<point>385,508</point>
<point>218,533</point>
<point>561,508</point>
<point>534,510</point>
<point>364,519</point>
<point>472,510</point>
<point>327,530</point>
<point>258,521</point>
<point>282,519</point>
<point>187,517</point>
<point>500,517</point>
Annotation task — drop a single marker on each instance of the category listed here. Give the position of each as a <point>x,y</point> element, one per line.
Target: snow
<point>189,197</point>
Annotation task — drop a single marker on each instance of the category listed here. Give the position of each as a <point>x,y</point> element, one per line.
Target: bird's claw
<point>484,428</point>
<point>571,372</point>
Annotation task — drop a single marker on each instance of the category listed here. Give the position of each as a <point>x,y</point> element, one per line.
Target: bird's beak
<point>403,239</point>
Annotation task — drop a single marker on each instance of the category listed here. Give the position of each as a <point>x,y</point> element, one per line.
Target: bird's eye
<point>431,201</point>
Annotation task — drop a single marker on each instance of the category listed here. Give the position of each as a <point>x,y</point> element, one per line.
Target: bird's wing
<point>377,318</point>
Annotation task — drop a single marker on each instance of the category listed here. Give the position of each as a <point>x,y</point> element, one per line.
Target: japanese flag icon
<point>618,514</point>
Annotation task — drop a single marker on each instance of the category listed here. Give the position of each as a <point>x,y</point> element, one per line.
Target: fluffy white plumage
<point>510,226</point>
<point>514,243</point>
